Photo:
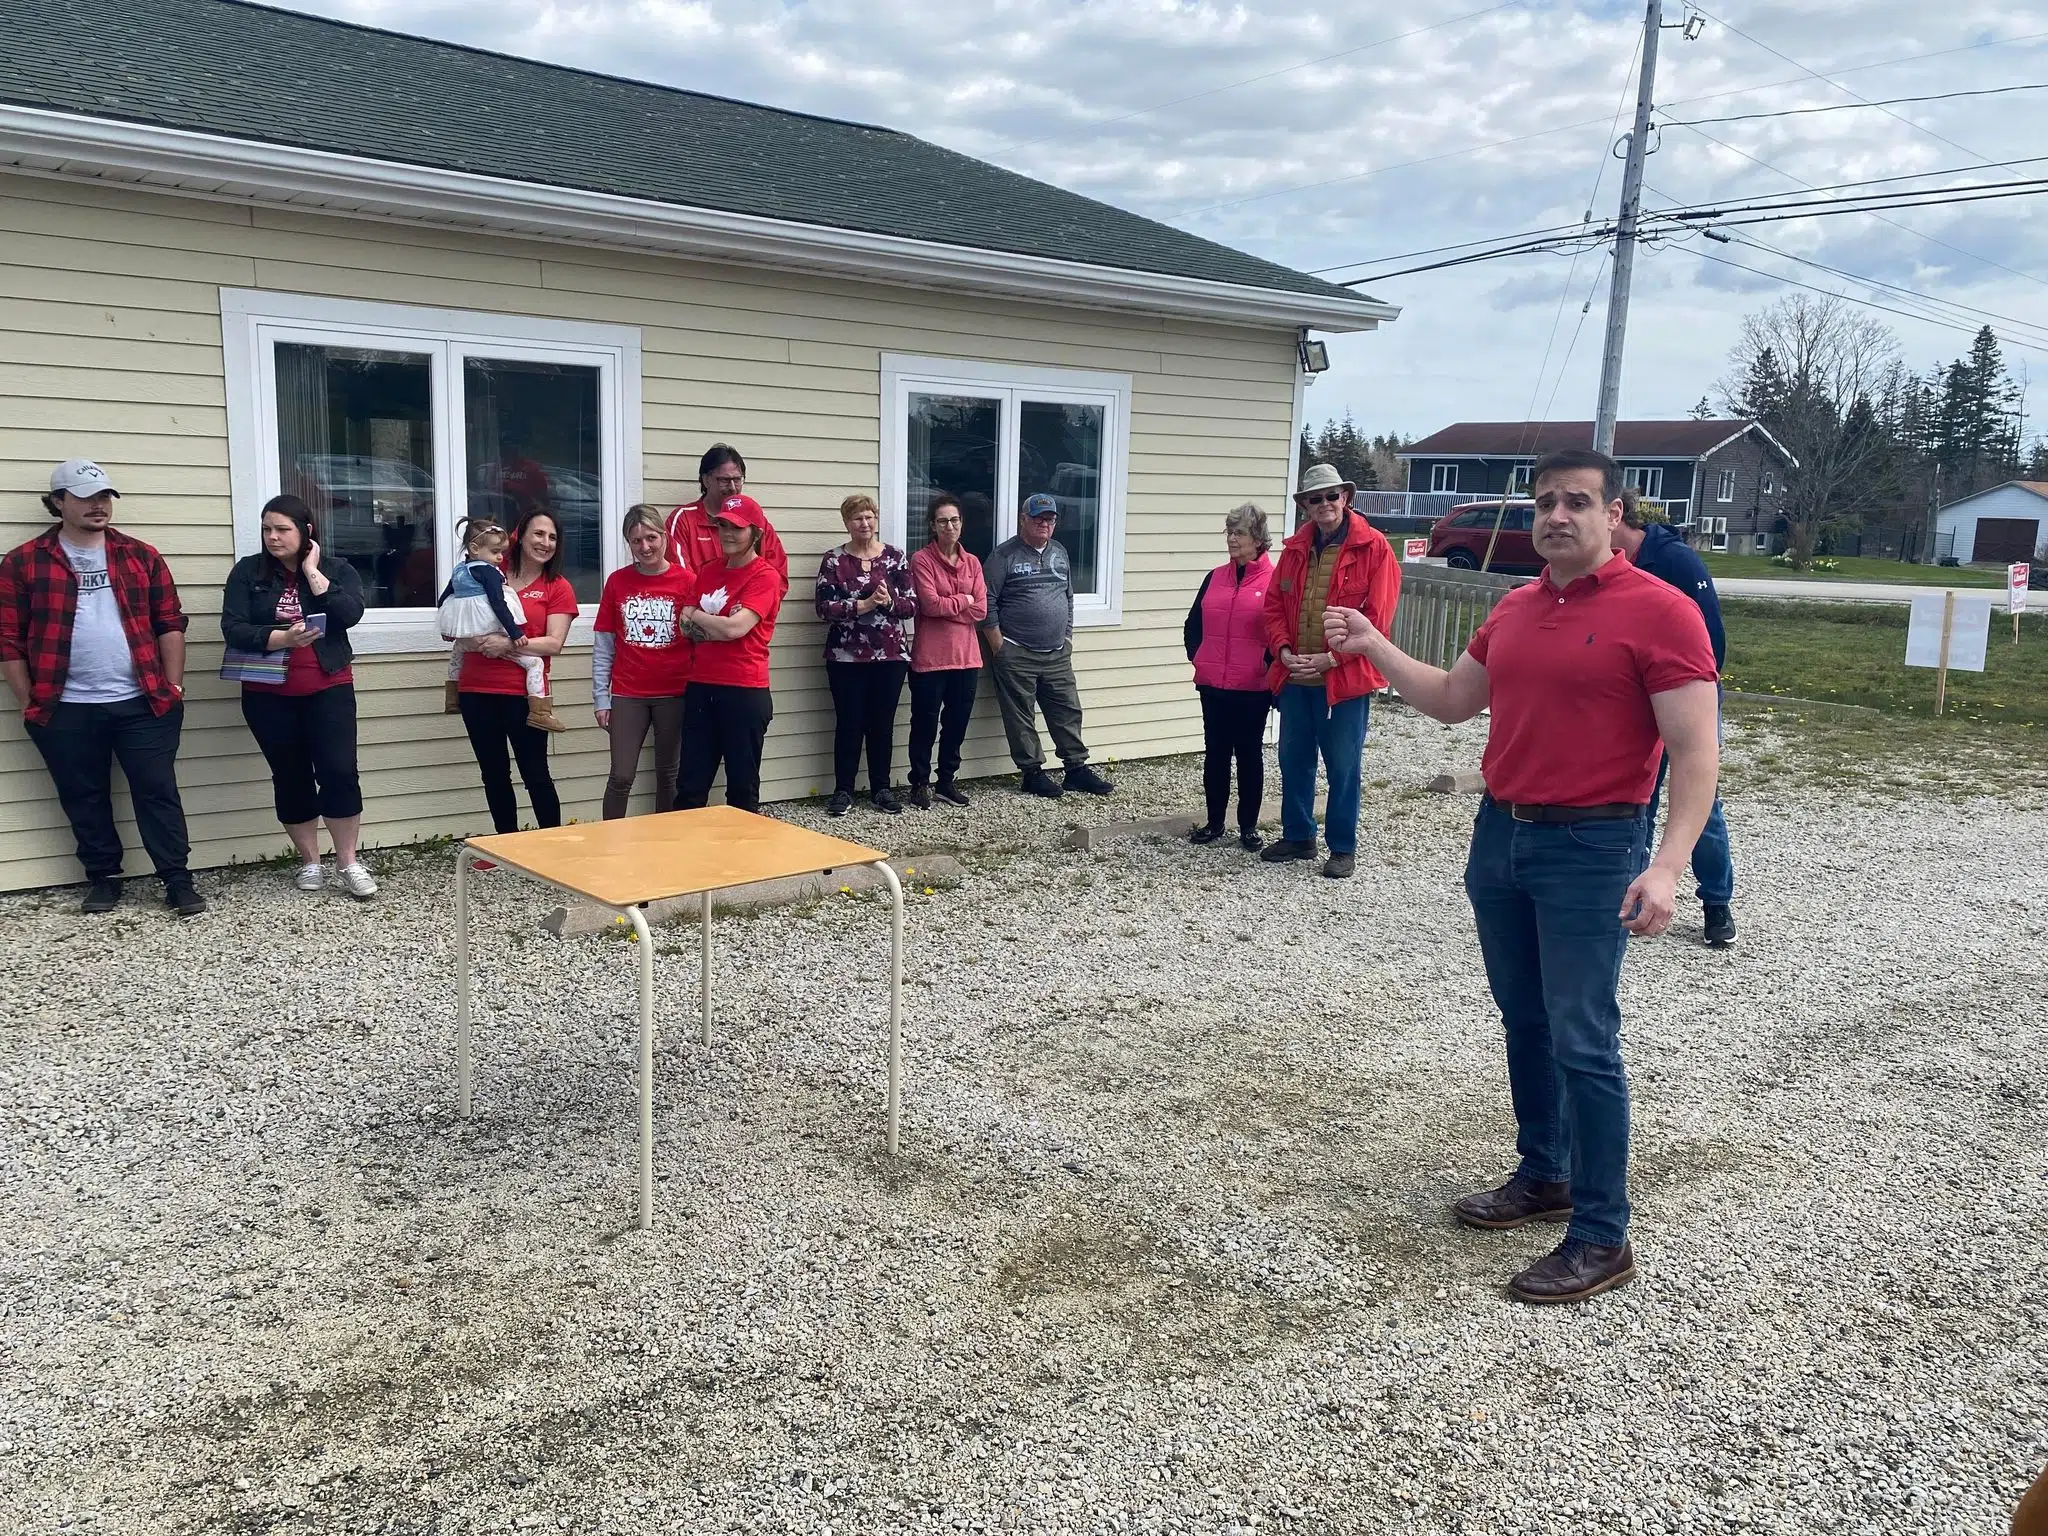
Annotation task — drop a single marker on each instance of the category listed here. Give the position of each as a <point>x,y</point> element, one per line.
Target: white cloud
<point>1375,151</point>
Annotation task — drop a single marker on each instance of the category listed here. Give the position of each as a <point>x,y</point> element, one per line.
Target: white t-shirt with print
<point>101,668</point>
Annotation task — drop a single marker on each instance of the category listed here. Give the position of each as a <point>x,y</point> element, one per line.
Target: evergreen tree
<point>1703,411</point>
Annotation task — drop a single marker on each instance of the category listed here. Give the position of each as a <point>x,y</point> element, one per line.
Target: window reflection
<point>954,446</point>
<point>533,434</point>
<point>1060,452</point>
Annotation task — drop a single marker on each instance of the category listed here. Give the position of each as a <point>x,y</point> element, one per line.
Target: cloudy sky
<point>1318,135</point>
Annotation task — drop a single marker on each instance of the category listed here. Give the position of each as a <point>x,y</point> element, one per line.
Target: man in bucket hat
<point>1336,559</point>
<point>92,643</point>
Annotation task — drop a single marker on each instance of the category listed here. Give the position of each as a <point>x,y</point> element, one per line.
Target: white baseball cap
<point>81,477</point>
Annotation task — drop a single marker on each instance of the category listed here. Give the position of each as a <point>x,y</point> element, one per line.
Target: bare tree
<point>1810,369</point>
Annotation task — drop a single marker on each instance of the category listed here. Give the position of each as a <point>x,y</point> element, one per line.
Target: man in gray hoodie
<point>1030,636</point>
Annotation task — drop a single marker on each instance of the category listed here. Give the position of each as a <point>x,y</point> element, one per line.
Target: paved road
<point>1845,591</point>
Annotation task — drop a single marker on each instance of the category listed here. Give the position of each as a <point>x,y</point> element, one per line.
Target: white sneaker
<point>357,881</point>
<point>311,877</point>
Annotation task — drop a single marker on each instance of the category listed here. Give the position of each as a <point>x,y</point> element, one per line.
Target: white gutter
<point>246,171</point>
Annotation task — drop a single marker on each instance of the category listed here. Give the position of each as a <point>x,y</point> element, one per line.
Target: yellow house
<point>245,251</point>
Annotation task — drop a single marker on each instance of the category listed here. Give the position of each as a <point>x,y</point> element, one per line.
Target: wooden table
<point>624,865</point>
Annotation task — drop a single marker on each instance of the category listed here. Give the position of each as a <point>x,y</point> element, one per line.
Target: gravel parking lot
<point>1168,1246</point>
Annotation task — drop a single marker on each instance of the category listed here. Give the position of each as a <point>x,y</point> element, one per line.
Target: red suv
<point>1461,535</point>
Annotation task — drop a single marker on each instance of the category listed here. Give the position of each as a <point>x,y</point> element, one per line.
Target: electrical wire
<point>1584,310</point>
<point>1854,106</point>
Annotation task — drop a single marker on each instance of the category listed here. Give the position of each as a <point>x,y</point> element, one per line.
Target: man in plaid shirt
<point>92,641</point>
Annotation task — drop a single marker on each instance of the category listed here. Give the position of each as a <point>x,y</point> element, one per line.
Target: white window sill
<point>414,632</point>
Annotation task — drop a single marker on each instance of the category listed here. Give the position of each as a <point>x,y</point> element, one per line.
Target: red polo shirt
<point>1570,676</point>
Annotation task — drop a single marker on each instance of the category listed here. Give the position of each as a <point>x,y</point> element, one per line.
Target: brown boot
<point>540,714</point>
<point>1574,1271</point>
<point>1515,1204</point>
<point>451,698</point>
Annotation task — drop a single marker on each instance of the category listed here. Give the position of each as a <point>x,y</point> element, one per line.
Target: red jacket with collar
<point>1367,577</point>
<point>693,542</point>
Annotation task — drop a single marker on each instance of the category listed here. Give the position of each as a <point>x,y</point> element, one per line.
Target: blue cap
<point>1041,505</point>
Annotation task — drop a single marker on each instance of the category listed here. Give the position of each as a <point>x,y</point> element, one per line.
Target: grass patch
<point>1908,758</point>
<point>1855,653</point>
<point>1859,568</point>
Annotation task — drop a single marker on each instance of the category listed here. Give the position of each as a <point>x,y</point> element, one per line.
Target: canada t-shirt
<point>651,654</point>
<point>302,670</point>
<point>492,674</point>
<point>721,590</point>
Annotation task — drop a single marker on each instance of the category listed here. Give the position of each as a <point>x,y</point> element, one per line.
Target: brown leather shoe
<point>1574,1271</point>
<point>1515,1204</point>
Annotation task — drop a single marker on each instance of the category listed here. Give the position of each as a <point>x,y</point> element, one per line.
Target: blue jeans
<point>1311,728</point>
<point>1547,902</point>
<point>1713,864</point>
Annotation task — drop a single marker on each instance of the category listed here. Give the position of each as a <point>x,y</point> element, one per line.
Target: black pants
<point>1234,725</point>
<point>79,746</point>
<point>941,704</point>
<point>310,743</point>
<point>723,720</point>
<point>498,732</point>
<point>864,699</point>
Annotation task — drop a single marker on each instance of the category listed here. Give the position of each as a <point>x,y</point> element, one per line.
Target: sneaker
<point>1250,842</point>
<point>310,877</point>
<point>1205,834</point>
<point>949,792</point>
<point>1038,782</point>
<point>1287,851</point>
<point>1087,780</point>
<point>183,897</point>
<point>1720,925</point>
<point>357,881</point>
<point>104,896</point>
<point>1341,866</point>
<point>884,801</point>
<point>921,797</point>
<point>840,803</point>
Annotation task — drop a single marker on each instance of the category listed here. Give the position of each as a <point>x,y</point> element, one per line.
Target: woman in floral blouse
<point>864,595</point>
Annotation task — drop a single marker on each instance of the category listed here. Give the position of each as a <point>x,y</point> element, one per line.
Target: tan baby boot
<point>540,714</point>
<point>451,698</point>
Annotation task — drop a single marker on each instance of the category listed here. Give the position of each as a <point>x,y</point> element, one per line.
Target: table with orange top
<point>623,865</point>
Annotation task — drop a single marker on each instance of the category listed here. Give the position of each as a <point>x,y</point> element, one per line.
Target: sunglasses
<point>1321,498</point>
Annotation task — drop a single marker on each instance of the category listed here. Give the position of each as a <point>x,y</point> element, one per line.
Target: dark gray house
<point>1724,480</point>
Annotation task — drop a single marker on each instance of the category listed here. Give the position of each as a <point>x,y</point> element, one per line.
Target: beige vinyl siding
<point>110,347</point>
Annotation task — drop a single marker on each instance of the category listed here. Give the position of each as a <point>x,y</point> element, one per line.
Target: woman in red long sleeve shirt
<point>945,653</point>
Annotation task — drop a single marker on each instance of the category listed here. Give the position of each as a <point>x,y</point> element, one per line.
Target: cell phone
<point>317,622</point>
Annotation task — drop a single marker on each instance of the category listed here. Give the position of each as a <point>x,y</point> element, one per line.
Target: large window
<point>1724,487</point>
<point>992,435</point>
<point>1443,477</point>
<point>397,423</point>
<point>1648,482</point>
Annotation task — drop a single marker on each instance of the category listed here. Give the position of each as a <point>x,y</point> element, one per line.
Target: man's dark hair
<point>550,567</point>
<point>301,516</point>
<point>716,457</point>
<point>1580,458</point>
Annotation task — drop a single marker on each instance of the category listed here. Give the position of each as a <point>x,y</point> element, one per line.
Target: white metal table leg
<point>704,963</point>
<point>895,1001</point>
<point>646,948</point>
<point>462,858</point>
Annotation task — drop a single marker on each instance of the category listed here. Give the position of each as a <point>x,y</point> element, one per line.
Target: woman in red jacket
<point>1226,640</point>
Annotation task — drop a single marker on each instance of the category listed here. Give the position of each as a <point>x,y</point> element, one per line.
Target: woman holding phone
<point>283,603</point>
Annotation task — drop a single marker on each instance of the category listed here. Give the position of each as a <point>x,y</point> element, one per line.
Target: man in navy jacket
<point>1657,549</point>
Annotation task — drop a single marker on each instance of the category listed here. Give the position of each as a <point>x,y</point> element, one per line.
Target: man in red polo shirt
<point>1592,673</point>
<point>693,535</point>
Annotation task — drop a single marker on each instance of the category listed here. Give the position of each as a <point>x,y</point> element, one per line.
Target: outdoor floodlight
<point>1315,356</point>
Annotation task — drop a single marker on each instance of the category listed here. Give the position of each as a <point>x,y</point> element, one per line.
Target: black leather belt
<point>1617,811</point>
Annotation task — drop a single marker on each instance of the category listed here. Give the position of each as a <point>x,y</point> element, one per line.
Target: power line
<point>1572,346</point>
<point>1271,74</point>
<point>1867,202</point>
<point>1854,106</point>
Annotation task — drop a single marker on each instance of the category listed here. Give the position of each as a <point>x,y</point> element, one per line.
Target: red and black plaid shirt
<point>39,600</point>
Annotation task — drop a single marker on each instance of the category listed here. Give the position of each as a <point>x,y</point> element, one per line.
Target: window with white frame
<point>395,423</point>
<point>1716,528</point>
<point>992,434</point>
<point>1443,477</point>
<point>1769,482</point>
<point>1648,482</point>
<point>1724,488</point>
<point>1519,477</point>
<point>1761,542</point>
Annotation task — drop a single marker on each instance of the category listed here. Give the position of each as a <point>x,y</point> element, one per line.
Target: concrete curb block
<point>939,870</point>
<point>1088,839</point>
<point>1457,781</point>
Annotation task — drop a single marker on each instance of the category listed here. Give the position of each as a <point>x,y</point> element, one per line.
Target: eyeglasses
<point>945,522</point>
<point>1321,498</point>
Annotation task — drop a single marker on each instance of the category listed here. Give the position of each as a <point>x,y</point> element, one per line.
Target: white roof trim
<point>2031,487</point>
<point>1761,431</point>
<point>247,171</point>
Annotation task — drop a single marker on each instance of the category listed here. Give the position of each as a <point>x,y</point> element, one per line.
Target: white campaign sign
<point>1969,632</point>
<point>2017,576</point>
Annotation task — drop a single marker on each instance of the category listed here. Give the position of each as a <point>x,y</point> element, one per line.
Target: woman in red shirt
<point>492,687</point>
<point>640,662</point>
<point>285,599</point>
<point>731,615</point>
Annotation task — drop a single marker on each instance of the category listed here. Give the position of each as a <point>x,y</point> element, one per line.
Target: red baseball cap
<point>741,511</point>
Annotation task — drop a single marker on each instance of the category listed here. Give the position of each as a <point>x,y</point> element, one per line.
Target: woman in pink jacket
<point>1226,640</point>
<point>945,653</point>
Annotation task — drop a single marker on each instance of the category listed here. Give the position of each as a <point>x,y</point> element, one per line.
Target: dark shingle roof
<point>249,72</point>
<point>1526,439</point>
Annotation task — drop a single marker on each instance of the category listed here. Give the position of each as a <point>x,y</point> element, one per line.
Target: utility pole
<point>1625,235</point>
